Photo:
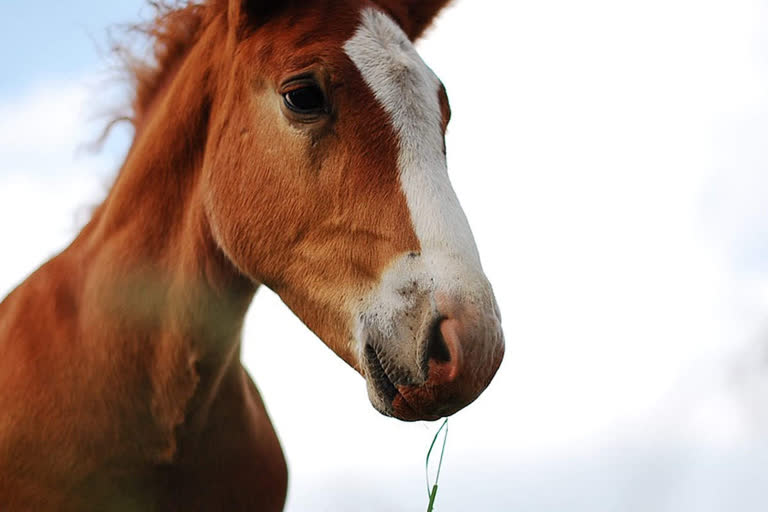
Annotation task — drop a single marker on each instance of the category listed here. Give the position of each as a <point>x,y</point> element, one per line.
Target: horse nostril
<point>444,353</point>
<point>437,350</point>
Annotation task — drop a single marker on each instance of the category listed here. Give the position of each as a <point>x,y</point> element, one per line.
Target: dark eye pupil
<point>305,99</point>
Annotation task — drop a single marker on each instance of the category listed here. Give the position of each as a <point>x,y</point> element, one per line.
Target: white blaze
<point>408,91</point>
<point>407,299</point>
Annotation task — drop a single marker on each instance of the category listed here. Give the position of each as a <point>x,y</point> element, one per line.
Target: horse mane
<point>173,30</point>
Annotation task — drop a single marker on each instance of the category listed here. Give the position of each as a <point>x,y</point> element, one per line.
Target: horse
<point>295,145</point>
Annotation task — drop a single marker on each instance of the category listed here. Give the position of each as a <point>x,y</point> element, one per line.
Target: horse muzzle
<point>435,358</point>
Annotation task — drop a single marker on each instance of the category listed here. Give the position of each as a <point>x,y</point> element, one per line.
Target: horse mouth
<point>378,377</point>
<point>389,399</point>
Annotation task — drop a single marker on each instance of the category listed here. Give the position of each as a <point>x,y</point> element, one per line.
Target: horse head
<point>325,179</point>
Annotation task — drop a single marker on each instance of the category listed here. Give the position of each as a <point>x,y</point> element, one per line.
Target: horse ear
<point>414,16</point>
<point>243,14</point>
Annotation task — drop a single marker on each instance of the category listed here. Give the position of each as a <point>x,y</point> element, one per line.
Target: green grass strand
<point>433,493</point>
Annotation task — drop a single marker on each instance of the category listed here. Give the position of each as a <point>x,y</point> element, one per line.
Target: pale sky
<point>610,157</point>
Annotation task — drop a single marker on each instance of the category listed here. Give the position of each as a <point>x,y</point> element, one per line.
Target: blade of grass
<point>433,493</point>
<point>432,498</point>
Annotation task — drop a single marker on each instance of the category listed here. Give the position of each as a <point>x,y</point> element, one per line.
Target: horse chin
<point>398,406</point>
<point>393,400</point>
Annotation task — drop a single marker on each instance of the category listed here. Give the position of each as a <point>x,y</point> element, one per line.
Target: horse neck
<point>155,276</point>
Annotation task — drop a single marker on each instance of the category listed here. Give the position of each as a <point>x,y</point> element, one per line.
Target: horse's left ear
<point>245,14</point>
<point>414,16</point>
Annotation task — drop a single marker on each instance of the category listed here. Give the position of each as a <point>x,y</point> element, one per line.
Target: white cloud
<point>48,183</point>
<point>45,119</point>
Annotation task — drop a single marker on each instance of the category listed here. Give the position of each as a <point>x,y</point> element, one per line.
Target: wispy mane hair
<point>170,33</point>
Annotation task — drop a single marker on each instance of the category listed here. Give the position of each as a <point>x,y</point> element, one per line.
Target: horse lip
<point>378,375</point>
<point>396,404</point>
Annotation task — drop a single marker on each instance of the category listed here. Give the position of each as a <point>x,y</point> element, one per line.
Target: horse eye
<point>308,99</point>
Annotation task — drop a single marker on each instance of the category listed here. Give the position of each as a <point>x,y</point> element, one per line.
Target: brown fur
<point>119,358</point>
